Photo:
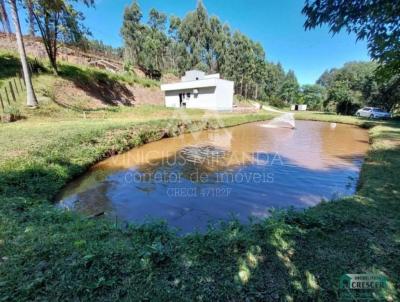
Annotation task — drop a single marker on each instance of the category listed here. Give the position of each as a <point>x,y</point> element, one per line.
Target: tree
<point>327,77</point>
<point>343,98</point>
<point>146,45</point>
<point>58,21</point>
<point>131,31</point>
<point>313,96</point>
<point>377,21</point>
<point>30,93</point>
<point>4,17</point>
<point>388,95</point>
<point>194,32</point>
<point>354,84</point>
<point>290,88</point>
<point>154,45</point>
<point>177,59</point>
<point>273,80</point>
<point>157,20</point>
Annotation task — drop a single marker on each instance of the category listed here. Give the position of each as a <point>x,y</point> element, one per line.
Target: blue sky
<point>277,25</point>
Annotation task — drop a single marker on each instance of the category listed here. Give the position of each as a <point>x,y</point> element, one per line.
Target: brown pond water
<point>244,171</point>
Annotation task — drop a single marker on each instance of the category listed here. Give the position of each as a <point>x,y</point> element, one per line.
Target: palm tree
<point>30,93</point>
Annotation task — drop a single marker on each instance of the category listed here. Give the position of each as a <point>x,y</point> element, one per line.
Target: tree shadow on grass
<point>10,66</point>
<point>358,234</point>
<point>99,85</point>
<point>300,256</point>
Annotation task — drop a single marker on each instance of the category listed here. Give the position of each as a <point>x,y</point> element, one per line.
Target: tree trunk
<point>4,17</point>
<point>30,93</point>
<point>241,86</point>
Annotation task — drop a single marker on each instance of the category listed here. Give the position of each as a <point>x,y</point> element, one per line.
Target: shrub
<point>11,114</point>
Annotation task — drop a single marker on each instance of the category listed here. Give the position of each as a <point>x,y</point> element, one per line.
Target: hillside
<point>82,87</point>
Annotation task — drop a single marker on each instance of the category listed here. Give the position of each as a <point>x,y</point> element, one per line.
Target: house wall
<point>224,95</point>
<point>205,99</point>
<point>172,99</point>
<point>218,97</point>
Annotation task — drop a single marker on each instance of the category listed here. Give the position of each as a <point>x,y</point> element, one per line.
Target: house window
<point>188,95</point>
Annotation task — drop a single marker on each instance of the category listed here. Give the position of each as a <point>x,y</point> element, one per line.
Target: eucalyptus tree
<point>273,80</point>
<point>177,58</point>
<point>58,21</point>
<point>194,32</point>
<point>31,100</point>
<point>132,32</point>
<point>290,88</point>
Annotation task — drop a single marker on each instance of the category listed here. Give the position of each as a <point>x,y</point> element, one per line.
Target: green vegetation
<point>49,254</point>
<point>377,22</point>
<point>100,84</point>
<point>216,49</point>
<point>355,85</point>
<point>87,75</point>
<point>10,66</point>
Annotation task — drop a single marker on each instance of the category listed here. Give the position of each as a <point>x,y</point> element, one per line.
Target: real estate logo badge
<point>362,287</point>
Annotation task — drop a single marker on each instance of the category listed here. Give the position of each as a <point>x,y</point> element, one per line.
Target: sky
<point>276,24</point>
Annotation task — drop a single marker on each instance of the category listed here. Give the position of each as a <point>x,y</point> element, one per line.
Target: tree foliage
<point>314,96</point>
<point>290,88</point>
<point>376,21</point>
<point>58,21</point>
<point>355,85</point>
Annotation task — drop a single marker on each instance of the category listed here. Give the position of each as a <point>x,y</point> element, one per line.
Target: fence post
<point>1,102</point>
<point>22,76</point>
<point>16,87</point>
<point>20,82</point>
<point>8,97</point>
<point>12,92</point>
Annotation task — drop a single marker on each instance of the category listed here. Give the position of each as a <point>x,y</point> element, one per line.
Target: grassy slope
<point>46,254</point>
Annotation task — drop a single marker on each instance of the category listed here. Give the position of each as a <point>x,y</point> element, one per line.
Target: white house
<point>198,90</point>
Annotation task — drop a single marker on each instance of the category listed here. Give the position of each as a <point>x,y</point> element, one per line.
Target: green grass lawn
<point>47,254</point>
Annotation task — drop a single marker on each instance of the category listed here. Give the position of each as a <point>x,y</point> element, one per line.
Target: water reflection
<point>243,171</point>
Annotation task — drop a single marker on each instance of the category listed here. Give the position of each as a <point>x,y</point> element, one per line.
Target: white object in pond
<point>333,125</point>
<point>285,120</point>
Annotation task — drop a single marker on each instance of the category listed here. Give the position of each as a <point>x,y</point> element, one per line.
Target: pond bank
<point>48,254</point>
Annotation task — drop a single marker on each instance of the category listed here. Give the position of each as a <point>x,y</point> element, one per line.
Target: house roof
<point>190,84</point>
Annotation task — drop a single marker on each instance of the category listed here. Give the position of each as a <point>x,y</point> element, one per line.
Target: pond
<point>245,171</point>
